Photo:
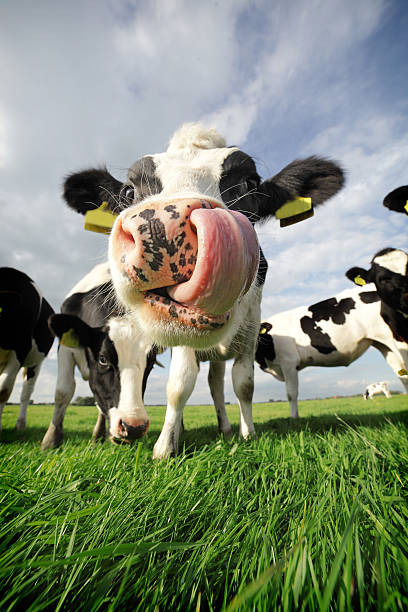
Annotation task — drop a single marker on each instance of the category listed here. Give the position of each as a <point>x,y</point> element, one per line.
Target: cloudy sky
<point>88,82</point>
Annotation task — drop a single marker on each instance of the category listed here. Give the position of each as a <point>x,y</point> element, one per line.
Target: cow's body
<point>377,389</point>
<point>95,338</point>
<point>25,339</point>
<point>184,255</point>
<point>331,333</point>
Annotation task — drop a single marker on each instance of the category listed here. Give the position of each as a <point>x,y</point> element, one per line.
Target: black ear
<point>357,275</point>
<point>397,200</point>
<point>87,190</point>
<point>71,330</point>
<point>314,177</point>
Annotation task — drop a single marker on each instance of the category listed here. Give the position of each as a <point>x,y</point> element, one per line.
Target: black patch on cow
<point>396,322</point>
<point>140,274</point>
<point>144,180</point>
<point>239,183</point>
<point>262,269</point>
<point>330,309</point>
<point>397,199</point>
<point>369,297</point>
<point>147,214</point>
<point>87,190</point>
<point>318,339</point>
<point>171,208</point>
<point>265,348</point>
<point>23,315</point>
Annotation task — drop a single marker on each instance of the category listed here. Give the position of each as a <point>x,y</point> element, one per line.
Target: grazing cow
<point>95,337</point>
<point>334,332</point>
<point>184,255</point>
<point>397,200</point>
<point>376,389</point>
<point>25,339</point>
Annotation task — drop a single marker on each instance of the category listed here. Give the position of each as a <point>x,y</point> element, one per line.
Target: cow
<point>25,339</point>
<point>389,273</point>
<point>96,337</point>
<point>184,255</point>
<point>334,332</point>
<point>397,200</point>
<point>376,389</point>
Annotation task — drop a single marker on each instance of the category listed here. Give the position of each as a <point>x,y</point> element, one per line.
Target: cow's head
<point>389,273</point>
<point>117,361</point>
<point>183,250</point>
<point>397,200</point>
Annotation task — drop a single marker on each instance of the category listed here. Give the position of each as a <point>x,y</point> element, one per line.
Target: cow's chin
<point>169,323</point>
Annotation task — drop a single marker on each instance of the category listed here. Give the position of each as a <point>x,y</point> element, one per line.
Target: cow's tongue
<point>227,261</point>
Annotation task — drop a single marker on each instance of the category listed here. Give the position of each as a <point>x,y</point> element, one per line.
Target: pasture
<point>311,515</point>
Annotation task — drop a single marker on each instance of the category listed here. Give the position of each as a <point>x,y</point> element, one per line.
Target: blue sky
<point>92,82</point>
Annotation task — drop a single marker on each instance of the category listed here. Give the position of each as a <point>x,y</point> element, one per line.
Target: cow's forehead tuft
<point>195,136</point>
<point>396,261</point>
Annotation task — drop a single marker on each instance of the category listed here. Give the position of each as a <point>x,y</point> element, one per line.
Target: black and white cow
<point>334,332</point>
<point>376,389</point>
<point>96,337</point>
<point>397,200</point>
<point>389,273</point>
<point>25,339</point>
<point>184,255</point>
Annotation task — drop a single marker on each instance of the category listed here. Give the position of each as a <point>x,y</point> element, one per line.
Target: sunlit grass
<point>311,515</point>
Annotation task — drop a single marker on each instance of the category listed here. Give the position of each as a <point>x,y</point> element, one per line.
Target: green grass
<point>312,515</point>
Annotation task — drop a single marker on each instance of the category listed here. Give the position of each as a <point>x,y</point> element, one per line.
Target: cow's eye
<point>252,183</point>
<point>102,360</point>
<point>129,193</point>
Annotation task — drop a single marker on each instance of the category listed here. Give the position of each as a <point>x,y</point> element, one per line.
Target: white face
<point>181,260</point>
<point>395,261</point>
<point>132,349</point>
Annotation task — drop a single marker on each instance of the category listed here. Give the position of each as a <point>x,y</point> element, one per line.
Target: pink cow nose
<point>157,245</point>
<point>131,430</point>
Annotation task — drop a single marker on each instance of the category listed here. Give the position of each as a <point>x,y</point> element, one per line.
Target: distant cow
<point>25,339</point>
<point>95,337</point>
<point>334,332</point>
<point>397,200</point>
<point>376,389</point>
<point>184,255</point>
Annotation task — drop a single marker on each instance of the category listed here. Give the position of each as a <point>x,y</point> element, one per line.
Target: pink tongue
<point>227,261</point>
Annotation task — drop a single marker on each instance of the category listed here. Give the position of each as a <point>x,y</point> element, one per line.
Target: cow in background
<point>331,333</point>
<point>376,389</point>
<point>184,255</point>
<point>25,339</point>
<point>95,338</point>
<point>397,200</point>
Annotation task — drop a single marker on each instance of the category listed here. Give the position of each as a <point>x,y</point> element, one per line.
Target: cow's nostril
<point>133,432</point>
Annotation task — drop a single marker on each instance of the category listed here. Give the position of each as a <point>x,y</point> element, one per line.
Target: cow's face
<point>389,273</point>
<point>183,250</point>
<point>118,369</point>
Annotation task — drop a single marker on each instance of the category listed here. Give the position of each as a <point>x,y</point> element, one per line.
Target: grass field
<point>312,515</point>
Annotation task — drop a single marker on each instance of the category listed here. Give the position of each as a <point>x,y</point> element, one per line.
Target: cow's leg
<point>182,377</point>
<point>99,431</point>
<point>216,375</point>
<point>291,376</point>
<point>31,376</point>
<point>397,364</point>
<point>7,380</point>
<point>243,384</point>
<point>63,394</point>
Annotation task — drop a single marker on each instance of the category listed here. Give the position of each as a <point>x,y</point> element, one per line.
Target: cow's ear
<point>89,189</point>
<point>72,331</point>
<point>301,185</point>
<point>397,200</point>
<point>265,328</point>
<point>358,276</point>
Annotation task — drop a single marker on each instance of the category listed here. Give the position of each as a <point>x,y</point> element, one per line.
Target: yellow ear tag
<point>406,207</point>
<point>70,339</point>
<point>100,220</point>
<point>402,372</point>
<point>359,280</point>
<point>263,330</point>
<point>294,211</point>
